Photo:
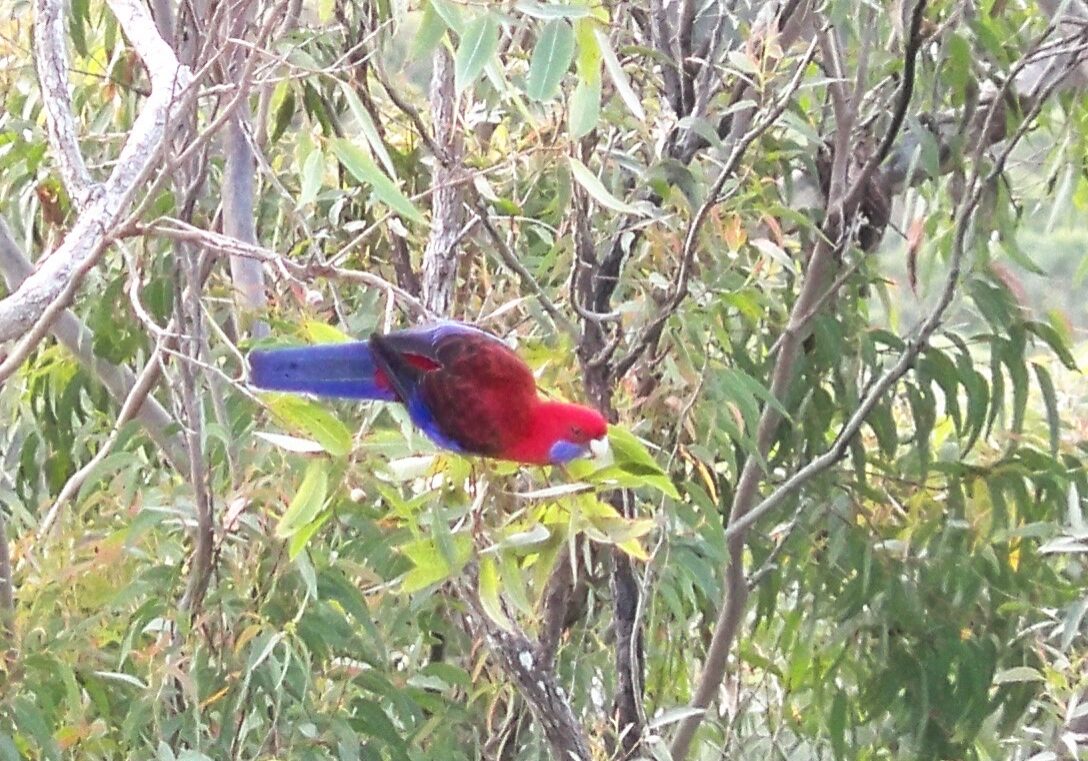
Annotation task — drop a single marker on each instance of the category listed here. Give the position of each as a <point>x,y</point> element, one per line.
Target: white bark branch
<point>51,56</point>
<point>440,258</point>
<point>90,235</point>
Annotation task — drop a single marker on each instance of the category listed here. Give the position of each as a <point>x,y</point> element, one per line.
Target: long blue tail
<point>345,370</point>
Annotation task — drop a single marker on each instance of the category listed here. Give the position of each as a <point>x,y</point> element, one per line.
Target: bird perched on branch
<point>465,388</point>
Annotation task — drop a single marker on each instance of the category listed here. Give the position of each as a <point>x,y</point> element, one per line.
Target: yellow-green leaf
<point>363,168</point>
<point>304,416</point>
<point>490,593</point>
<point>308,500</point>
<point>551,58</point>
<point>632,458</point>
<point>478,43</point>
<point>634,548</point>
<point>429,564</point>
<point>597,190</point>
<point>299,539</point>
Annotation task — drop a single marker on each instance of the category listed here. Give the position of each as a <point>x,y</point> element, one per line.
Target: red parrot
<point>465,388</point>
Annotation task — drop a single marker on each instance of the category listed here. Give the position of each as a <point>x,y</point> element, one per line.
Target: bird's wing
<point>477,398</point>
<point>427,341</point>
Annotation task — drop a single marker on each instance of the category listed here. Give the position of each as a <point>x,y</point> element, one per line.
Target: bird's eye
<point>577,432</point>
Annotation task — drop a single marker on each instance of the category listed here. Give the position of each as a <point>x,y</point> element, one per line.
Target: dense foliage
<point>833,243</point>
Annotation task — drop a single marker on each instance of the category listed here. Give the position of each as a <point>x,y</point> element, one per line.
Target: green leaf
<point>311,176</point>
<point>429,565</point>
<point>369,130</point>
<point>431,28</point>
<point>450,13</point>
<point>883,424</point>
<point>283,111</point>
<point>372,720</point>
<point>513,583</point>
<point>1013,355</point>
<point>547,11</point>
<point>301,537</point>
<point>1050,400</point>
<point>1055,340</point>
<point>940,369</point>
<point>478,43</point>
<point>308,417</point>
<point>619,78</point>
<point>585,107</point>
<point>632,457</point>
<point>308,500</point>
<point>363,168</point>
<point>1018,674</point>
<point>551,59</point>
<point>598,191</point>
<point>490,594</point>
<point>836,724</point>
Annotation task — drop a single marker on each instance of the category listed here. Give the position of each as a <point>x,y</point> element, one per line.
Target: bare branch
<point>247,275</point>
<point>7,585</point>
<point>191,315</point>
<point>225,245</point>
<point>89,237</point>
<point>660,36</point>
<point>527,667</point>
<point>440,258</point>
<point>51,55</point>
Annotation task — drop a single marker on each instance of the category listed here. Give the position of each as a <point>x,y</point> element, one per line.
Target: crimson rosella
<point>465,388</point>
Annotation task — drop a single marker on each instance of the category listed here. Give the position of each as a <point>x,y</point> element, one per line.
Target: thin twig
<point>511,260</point>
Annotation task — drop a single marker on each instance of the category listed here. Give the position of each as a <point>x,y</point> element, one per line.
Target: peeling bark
<point>440,259</point>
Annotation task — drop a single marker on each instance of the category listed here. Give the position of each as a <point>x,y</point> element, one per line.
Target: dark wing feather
<point>476,397</point>
<point>427,341</point>
<point>481,395</point>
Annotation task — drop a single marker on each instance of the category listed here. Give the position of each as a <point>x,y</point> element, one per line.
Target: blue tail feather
<point>344,370</point>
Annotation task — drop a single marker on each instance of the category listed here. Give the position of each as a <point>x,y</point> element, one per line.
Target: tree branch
<point>89,237</point>
<point>440,258</point>
<point>7,586</point>
<point>51,56</point>
<point>190,317</point>
<point>528,668</point>
<point>217,243</point>
<point>78,339</point>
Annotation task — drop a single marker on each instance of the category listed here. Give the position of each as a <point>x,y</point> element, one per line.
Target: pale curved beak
<point>601,450</point>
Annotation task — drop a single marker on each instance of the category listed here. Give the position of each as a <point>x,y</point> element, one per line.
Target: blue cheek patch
<point>565,451</point>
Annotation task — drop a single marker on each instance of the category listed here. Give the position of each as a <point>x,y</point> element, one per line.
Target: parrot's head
<point>575,431</point>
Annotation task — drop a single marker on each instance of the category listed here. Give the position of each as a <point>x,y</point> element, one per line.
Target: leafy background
<point>920,598</point>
